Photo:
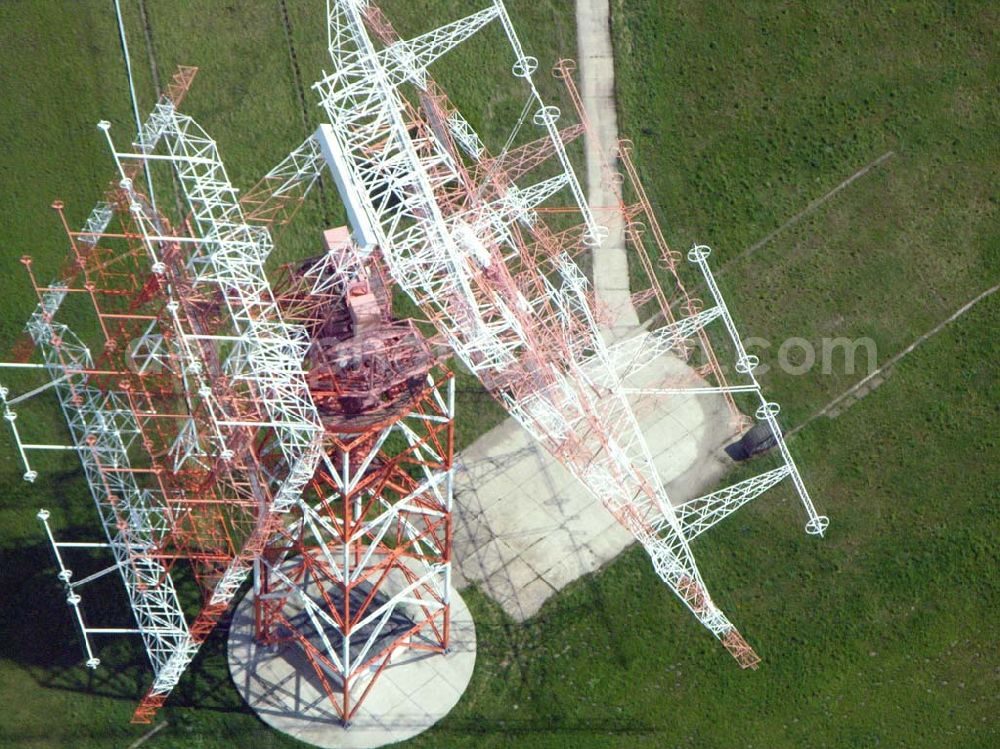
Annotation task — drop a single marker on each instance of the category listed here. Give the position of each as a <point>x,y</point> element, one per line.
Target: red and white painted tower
<point>362,570</point>
<point>235,427</point>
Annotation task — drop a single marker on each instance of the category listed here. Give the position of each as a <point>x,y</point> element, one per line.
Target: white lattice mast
<point>239,432</point>
<point>167,427</point>
<point>102,428</point>
<point>468,259</point>
<point>224,256</point>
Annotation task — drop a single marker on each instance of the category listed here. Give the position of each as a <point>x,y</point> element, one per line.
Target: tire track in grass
<point>286,26</point>
<point>829,407</point>
<point>812,207</point>
<point>300,90</point>
<point>148,735</point>
<point>700,288</point>
<point>147,33</point>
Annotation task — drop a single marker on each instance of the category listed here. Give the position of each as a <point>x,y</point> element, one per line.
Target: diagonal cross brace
<point>698,515</point>
<point>633,354</point>
<point>408,60</point>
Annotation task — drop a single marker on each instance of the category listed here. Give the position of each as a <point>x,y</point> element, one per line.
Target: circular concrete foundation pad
<point>415,690</point>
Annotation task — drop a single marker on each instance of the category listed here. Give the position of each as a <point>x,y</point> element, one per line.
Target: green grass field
<point>884,633</point>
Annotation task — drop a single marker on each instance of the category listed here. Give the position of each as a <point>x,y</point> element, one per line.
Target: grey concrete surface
<point>414,691</point>
<point>597,88</point>
<point>525,528</point>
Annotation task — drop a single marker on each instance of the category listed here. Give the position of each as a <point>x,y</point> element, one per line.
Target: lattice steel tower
<point>294,432</point>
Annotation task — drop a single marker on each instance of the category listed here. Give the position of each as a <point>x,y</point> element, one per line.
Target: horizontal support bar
<point>163,157</point>
<point>36,391</point>
<point>206,337</point>
<point>692,391</point>
<point>116,316</point>
<point>300,425</point>
<point>95,576</point>
<point>112,631</point>
<point>82,544</point>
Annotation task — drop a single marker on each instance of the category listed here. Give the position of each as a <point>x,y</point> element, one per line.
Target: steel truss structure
<point>196,368</point>
<point>228,428</point>
<point>294,432</point>
<point>471,244</point>
<point>363,569</point>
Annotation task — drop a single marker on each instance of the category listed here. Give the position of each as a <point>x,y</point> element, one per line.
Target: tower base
<point>413,692</point>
